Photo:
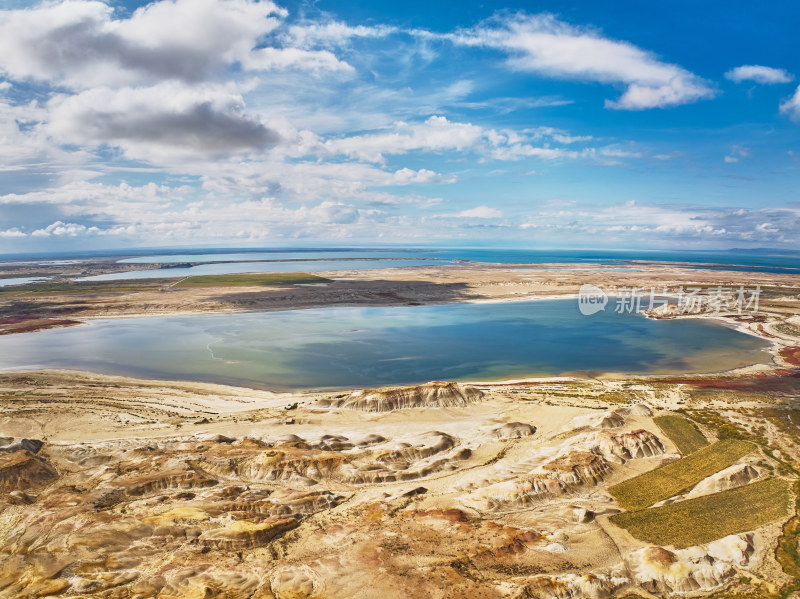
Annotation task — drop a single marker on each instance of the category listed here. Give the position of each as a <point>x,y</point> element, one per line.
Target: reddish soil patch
<point>453,515</point>
<point>763,333</point>
<point>747,317</point>
<point>791,355</point>
<point>779,381</point>
<point>20,324</point>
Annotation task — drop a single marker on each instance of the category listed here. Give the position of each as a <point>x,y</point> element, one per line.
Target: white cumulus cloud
<point>61,229</point>
<point>81,44</point>
<point>165,119</point>
<point>791,107</point>
<point>482,212</point>
<point>268,59</point>
<point>438,134</point>
<point>759,74</point>
<point>544,45</point>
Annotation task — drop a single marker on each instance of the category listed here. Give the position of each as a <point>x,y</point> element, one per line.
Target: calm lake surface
<point>21,281</point>
<point>358,347</point>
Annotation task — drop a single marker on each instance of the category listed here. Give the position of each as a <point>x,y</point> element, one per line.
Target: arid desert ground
<point>592,485</point>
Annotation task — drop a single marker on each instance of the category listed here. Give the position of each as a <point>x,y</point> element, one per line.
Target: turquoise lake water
<point>358,347</point>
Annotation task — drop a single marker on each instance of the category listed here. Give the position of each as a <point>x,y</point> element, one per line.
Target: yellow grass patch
<point>705,519</point>
<point>682,432</point>
<point>675,478</point>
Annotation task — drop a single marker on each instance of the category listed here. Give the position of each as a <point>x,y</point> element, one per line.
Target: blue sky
<point>550,124</point>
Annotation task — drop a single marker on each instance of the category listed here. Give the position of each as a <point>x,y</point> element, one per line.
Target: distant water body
<point>315,260</point>
<point>236,267</point>
<point>502,256</point>
<point>9,282</point>
<point>359,347</point>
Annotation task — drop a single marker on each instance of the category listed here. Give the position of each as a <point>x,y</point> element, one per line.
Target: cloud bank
<point>194,121</point>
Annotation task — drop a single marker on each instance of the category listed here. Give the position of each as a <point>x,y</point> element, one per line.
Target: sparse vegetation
<point>704,519</point>
<point>82,287</point>
<point>251,279</point>
<point>675,478</point>
<point>784,419</point>
<point>787,552</point>
<point>724,428</point>
<point>683,433</point>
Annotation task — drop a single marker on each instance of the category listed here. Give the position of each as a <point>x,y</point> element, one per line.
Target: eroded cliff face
<point>729,478</point>
<point>437,394</point>
<point>21,470</point>
<point>493,499</point>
